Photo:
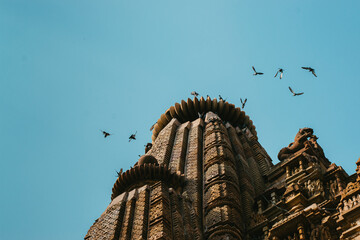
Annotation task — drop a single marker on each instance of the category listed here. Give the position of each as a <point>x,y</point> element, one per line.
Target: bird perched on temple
<point>132,137</point>
<point>106,134</point>
<point>281,71</point>
<point>256,73</point>
<point>148,146</point>
<point>194,93</point>
<point>243,102</point>
<point>221,99</point>
<point>295,94</point>
<point>120,172</point>
<point>152,127</point>
<point>310,70</point>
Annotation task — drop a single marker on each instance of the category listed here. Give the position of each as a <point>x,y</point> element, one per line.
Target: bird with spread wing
<point>281,71</point>
<point>310,70</point>
<point>194,93</point>
<point>256,73</point>
<point>243,102</point>
<point>295,94</point>
<point>106,134</point>
<point>132,137</point>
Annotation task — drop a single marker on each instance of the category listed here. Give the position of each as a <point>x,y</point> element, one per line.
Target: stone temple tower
<point>206,176</point>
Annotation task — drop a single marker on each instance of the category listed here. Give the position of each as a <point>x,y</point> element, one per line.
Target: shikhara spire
<point>206,176</point>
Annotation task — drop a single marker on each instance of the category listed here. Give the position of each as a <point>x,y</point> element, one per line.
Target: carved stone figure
<point>318,187</point>
<point>310,187</point>
<point>300,138</point>
<point>314,235</point>
<point>325,233</point>
<point>333,187</point>
<point>313,139</point>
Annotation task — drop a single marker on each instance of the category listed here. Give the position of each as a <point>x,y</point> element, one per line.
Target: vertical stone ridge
<point>247,190</point>
<point>141,214</point>
<point>159,213</point>
<point>109,223</point>
<point>177,158</point>
<point>122,200</point>
<point>128,216</point>
<point>255,170</point>
<point>163,144</point>
<point>193,170</point>
<point>189,232</point>
<point>261,156</point>
<point>195,223</point>
<point>177,221</point>
<point>222,206</point>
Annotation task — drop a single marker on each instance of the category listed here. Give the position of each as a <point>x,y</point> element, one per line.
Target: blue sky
<point>70,68</point>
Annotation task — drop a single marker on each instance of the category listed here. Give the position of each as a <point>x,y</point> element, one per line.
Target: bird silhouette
<point>106,134</point>
<point>243,103</point>
<point>194,93</point>
<point>281,71</point>
<point>221,99</point>
<point>148,146</point>
<point>256,73</point>
<point>295,94</point>
<point>132,137</point>
<point>310,70</point>
<point>120,172</point>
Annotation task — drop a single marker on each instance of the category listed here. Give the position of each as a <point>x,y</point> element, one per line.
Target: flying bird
<point>243,103</point>
<point>106,134</point>
<point>132,137</point>
<point>194,93</point>
<point>256,73</point>
<point>281,71</point>
<point>310,70</point>
<point>295,94</point>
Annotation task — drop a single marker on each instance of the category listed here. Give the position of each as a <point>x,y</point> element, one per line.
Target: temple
<point>206,176</point>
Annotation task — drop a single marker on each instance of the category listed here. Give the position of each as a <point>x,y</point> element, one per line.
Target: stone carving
<point>333,188</point>
<point>255,219</point>
<point>293,237</point>
<point>350,203</point>
<point>300,138</point>
<point>312,159</point>
<point>319,232</point>
<point>295,170</point>
<point>313,140</point>
<point>314,187</point>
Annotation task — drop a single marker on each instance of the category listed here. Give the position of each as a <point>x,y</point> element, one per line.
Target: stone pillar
<point>259,203</point>
<point>266,233</point>
<point>273,197</point>
<point>301,231</point>
<point>301,165</point>
<point>287,171</point>
<point>339,182</point>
